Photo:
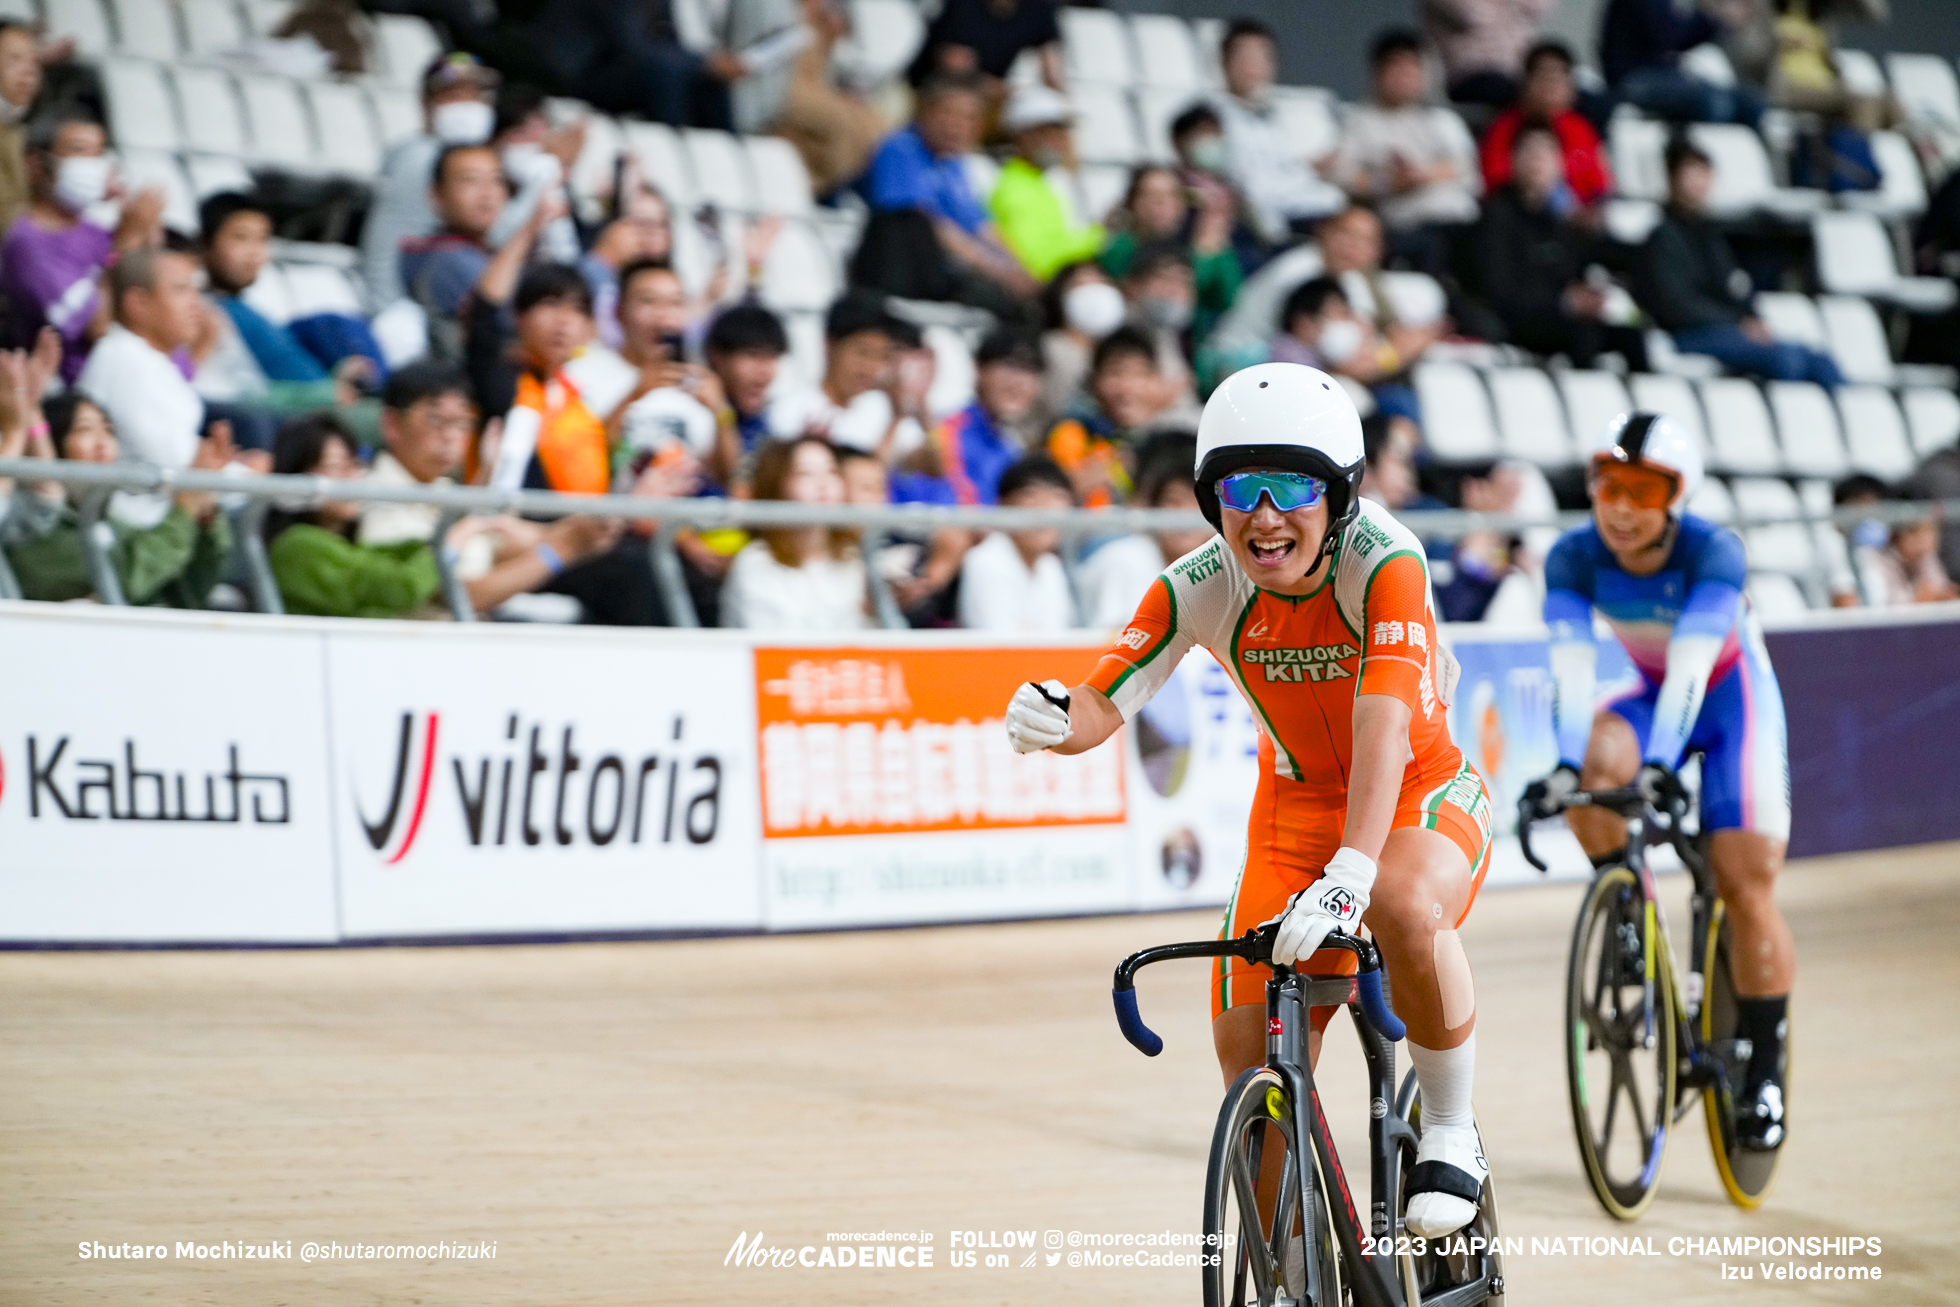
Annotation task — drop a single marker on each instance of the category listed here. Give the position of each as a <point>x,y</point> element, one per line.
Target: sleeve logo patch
<point>1134,638</point>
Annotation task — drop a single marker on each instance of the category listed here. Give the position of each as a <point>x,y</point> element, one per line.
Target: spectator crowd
<point>559,346</point>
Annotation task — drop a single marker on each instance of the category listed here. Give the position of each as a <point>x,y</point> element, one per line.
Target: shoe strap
<point>1442,1178</point>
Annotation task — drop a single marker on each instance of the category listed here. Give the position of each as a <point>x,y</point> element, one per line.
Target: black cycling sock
<point>1617,858</point>
<point>1763,1022</point>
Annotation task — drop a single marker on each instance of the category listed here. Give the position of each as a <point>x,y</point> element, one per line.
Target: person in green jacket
<point>1159,208</point>
<point>168,553</point>
<point>1034,223</point>
<point>319,568</point>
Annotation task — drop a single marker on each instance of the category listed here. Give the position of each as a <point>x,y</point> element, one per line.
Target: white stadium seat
<point>1855,257</point>
<point>1713,501</point>
<point>1208,34</point>
<point>270,296</point>
<point>1166,56</point>
<point>1857,339</point>
<point>145,168</point>
<point>282,133</point>
<point>1105,126</point>
<point>1157,108</point>
<point>211,173</point>
<point>782,183</point>
<point>1793,318</point>
<point>1530,419</point>
<point>1306,116</point>
<point>213,121</point>
<point>1925,88</point>
<point>1637,150</point>
<point>320,288</point>
<point>1860,71</point>
<point>885,36</point>
<point>1786,547</point>
<point>721,169</point>
<point>805,362</point>
<point>595,170</point>
<point>953,372</point>
<point>264,17</point>
<point>1097,43</point>
<point>85,21</point>
<point>1807,428</point>
<point>350,143</point>
<point>1457,423</point>
<point>662,163</point>
<point>1103,187</point>
<point>1875,431</point>
<point>1901,191</point>
<point>142,111</point>
<point>799,272</point>
<point>20,11</point>
<point>407,45</point>
<point>1774,595</point>
<point>1745,182</point>
<point>146,28</point>
<point>1739,427</point>
<point>1672,397</point>
<point>1933,417</point>
<point>1593,398</point>
<point>397,113</point>
<point>212,26</point>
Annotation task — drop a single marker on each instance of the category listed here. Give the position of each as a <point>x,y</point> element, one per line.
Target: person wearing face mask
<point>1284,189</point>
<point>1079,307</point>
<point>20,83</point>
<point>537,158</point>
<point>1034,221</point>
<point>457,95</point>
<point>1320,330</point>
<point>52,259</point>
<point>1162,294</point>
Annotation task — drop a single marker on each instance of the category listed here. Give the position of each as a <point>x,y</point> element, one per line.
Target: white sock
<point>1445,1075</point>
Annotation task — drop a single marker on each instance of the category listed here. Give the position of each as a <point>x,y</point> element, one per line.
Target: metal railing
<point>250,497</point>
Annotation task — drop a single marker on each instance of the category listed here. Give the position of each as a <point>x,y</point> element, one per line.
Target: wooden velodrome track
<point>613,1115</point>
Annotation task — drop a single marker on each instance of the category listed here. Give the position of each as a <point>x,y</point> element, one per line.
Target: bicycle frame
<point>1290,999</point>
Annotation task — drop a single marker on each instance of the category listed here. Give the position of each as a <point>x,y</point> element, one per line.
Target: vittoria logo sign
<point>63,785</point>
<point>540,786</point>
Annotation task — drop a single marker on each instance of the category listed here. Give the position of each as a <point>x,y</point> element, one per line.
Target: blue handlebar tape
<point>1147,1040</point>
<point>1373,1002</point>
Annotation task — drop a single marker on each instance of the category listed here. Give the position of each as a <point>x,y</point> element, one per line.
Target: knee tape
<point>1453,983</point>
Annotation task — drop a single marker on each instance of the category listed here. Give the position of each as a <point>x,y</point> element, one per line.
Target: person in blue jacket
<point>1670,585</point>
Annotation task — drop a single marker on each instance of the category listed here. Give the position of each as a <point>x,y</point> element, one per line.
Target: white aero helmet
<point>1651,440</point>
<point>1286,416</point>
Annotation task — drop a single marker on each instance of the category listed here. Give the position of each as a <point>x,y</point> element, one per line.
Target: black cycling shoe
<point>1759,1116</point>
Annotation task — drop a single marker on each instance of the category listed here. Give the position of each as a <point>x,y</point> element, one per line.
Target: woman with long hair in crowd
<point>798,578</point>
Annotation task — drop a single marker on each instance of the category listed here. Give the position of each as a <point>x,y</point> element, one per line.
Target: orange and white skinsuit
<point>1370,628</point>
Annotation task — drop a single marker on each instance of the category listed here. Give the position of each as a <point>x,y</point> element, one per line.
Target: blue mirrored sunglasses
<point>1288,490</point>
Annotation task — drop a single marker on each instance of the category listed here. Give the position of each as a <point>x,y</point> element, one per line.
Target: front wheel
<point>1746,1173</point>
<point>1620,1043</point>
<point>1252,1217</point>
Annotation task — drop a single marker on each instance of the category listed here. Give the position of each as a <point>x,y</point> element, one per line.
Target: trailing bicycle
<point>1642,1041</point>
<point>1299,1239</point>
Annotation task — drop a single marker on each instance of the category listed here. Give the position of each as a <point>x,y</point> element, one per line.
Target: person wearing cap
<point>1034,221</point>
<point>1671,587</point>
<point>458,108</point>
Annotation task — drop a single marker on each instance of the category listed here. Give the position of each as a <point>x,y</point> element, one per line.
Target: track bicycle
<point>1642,1041</point>
<point>1307,1245</point>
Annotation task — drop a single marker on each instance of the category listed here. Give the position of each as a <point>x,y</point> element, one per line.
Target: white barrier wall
<point>177,777</point>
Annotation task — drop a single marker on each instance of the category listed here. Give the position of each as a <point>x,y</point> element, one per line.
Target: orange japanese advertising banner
<point>862,741</point>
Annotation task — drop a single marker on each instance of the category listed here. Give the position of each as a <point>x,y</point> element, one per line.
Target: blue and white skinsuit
<point>1706,682</point>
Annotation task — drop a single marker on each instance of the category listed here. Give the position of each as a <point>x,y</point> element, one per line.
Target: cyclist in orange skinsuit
<point>1318,605</point>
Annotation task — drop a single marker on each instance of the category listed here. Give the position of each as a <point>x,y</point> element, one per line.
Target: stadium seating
<point>1097,43</point>
<point>1530,418</point>
<point>146,28</point>
<point>406,46</point>
<point>1592,400</point>
<point>1675,398</point>
<point>1855,257</point>
<point>1458,425</point>
<point>1739,428</point>
<point>1807,429</point>
<point>721,170</point>
<point>141,105</point>
<point>1166,55</point>
<point>1879,444</point>
<point>1933,418</point>
<point>211,26</point>
<point>1745,180</point>
<point>1925,87</point>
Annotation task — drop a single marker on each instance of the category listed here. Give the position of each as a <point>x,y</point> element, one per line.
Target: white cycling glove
<point>1037,716</point>
<point>1334,902</point>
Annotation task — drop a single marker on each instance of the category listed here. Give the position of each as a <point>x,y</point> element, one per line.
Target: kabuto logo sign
<point>64,786</point>
<point>539,787</point>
